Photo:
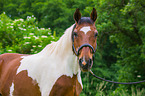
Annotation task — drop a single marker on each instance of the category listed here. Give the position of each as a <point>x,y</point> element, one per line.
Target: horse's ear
<point>94,14</point>
<point>77,15</point>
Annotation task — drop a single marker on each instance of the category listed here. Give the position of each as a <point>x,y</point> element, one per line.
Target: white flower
<point>138,76</point>
<point>31,34</point>
<point>44,36</point>
<point>27,37</point>
<point>39,46</point>
<point>33,46</point>
<point>42,28</point>
<point>11,27</point>
<point>49,33</point>
<point>22,28</point>
<point>28,17</point>
<point>21,20</point>
<point>26,43</point>
<point>36,37</point>
<point>9,50</point>
<point>32,49</point>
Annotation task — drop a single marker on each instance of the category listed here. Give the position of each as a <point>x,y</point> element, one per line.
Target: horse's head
<point>84,38</point>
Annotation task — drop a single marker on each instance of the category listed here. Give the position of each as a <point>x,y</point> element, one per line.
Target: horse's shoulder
<point>9,62</point>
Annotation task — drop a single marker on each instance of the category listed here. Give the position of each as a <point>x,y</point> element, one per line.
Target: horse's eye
<point>75,34</point>
<point>96,34</point>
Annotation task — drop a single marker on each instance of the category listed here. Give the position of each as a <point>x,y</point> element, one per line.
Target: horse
<point>56,70</point>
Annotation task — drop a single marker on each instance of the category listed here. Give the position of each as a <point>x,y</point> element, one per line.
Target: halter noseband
<point>84,45</point>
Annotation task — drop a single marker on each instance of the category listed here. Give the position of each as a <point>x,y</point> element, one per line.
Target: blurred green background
<point>27,26</point>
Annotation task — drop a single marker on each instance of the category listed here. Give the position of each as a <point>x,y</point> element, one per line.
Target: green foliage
<point>54,14</point>
<point>23,36</point>
<point>122,23</point>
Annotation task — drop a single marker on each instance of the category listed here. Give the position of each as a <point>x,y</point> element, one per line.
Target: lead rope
<point>114,81</point>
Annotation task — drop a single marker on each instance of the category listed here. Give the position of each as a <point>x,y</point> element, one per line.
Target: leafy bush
<point>23,36</point>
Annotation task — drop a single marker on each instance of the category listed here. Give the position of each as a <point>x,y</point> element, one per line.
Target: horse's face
<point>85,39</point>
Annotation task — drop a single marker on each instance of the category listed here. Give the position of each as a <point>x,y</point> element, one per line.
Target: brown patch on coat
<point>25,85</point>
<point>9,64</point>
<point>66,86</point>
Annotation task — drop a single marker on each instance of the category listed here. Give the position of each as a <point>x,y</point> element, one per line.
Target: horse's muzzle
<point>85,65</point>
<point>85,61</point>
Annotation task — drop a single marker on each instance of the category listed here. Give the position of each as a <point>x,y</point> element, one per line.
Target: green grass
<point>101,91</point>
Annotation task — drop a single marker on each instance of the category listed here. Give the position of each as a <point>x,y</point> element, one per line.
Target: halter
<point>84,45</point>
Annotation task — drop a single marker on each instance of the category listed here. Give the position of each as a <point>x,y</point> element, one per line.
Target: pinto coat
<point>54,71</point>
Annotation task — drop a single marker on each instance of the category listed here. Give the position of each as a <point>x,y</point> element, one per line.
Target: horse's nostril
<point>90,61</point>
<point>80,61</point>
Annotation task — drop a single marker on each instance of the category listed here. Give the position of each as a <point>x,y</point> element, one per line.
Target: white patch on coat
<point>55,60</point>
<point>85,29</point>
<point>11,89</point>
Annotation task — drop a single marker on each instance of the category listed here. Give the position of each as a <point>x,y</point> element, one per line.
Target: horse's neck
<point>62,47</point>
<point>62,50</point>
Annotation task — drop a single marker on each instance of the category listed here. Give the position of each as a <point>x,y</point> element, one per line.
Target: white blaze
<point>85,29</point>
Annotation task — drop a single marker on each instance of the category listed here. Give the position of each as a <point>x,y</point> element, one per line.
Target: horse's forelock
<point>85,20</point>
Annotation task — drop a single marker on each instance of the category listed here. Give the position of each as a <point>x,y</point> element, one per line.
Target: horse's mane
<point>62,46</point>
<point>55,60</point>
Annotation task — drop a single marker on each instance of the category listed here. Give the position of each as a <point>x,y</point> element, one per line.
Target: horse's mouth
<point>85,66</point>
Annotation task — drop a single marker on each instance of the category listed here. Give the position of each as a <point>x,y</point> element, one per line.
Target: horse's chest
<point>66,86</point>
